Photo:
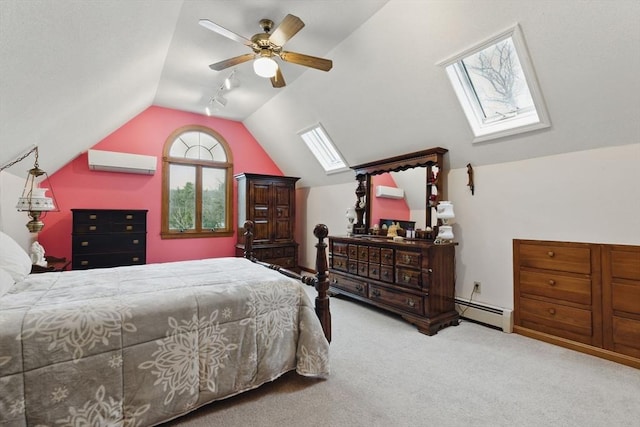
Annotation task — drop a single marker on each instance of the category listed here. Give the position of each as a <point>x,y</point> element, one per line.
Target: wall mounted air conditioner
<point>389,192</point>
<point>112,161</point>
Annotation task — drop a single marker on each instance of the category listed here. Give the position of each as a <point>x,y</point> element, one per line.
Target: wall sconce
<point>444,211</point>
<point>34,199</point>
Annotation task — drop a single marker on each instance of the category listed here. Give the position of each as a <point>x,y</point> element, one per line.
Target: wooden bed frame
<point>321,280</point>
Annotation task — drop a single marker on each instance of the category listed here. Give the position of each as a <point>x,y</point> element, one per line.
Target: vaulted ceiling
<point>71,72</point>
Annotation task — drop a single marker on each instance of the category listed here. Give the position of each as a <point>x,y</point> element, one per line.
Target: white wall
<point>13,222</point>
<point>585,196</point>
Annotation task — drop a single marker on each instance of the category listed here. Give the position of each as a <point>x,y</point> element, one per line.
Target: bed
<point>140,345</point>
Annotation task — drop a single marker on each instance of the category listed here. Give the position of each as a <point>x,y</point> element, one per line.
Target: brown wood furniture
<point>433,160</point>
<point>53,264</point>
<point>414,278</point>
<point>269,202</point>
<point>320,282</point>
<point>583,296</point>
<point>108,238</point>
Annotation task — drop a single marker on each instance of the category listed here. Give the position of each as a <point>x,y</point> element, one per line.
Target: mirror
<point>421,176</point>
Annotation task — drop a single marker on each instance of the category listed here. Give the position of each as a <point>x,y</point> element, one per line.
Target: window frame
<point>167,161</point>
<point>319,153</point>
<point>484,131</point>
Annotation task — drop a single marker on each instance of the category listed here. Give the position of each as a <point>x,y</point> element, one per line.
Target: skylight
<point>323,148</point>
<point>496,86</point>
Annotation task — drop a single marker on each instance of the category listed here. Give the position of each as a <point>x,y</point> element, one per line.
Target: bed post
<point>322,283</point>
<point>248,239</point>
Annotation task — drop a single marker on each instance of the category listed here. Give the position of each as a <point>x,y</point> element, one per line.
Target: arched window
<point>197,184</point>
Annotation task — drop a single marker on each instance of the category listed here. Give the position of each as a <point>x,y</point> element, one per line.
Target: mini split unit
<point>112,161</point>
<point>389,192</point>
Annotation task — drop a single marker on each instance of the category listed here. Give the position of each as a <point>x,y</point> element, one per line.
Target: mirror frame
<point>425,158</point>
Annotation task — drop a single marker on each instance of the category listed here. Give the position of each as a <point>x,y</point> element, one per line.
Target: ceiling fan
<point>266,46</point>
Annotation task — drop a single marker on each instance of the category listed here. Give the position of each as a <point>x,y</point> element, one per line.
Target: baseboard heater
<point>498,317</point>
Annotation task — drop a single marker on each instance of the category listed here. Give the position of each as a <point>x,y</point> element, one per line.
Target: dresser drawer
<point>408,277</point>
<point>568,322</point>
<point>340,249</point>
<point>626,336</point>
<point>363,253</point>
<point>91,217</point>
<point>81,262</point>
<point>556,286</point>
<point>353,251</point>
<point>339,263</point>
<point>363,269</point>
<point>121,227</point>
<point>98,243</point>
<point>386,256</point>
<point>402,300</point>
<point>386,273</point>
<point>374,271</point>
<point>575,258</point>
<point>129,216</point>
<point>625,264</point>
<point>408,259</point>
<point>374,255</point>
<point>625,296</point>
<point>353,286</point>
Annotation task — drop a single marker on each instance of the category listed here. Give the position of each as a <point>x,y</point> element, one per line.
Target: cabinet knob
<point>334,281</point>
<point>552,311</point>
<point>374,271</point>
<point>407,259</point>
<point>552,282</point>
<point>406,278</point>
<point>359,287</point>
<point>551,254</point>
<point>411,303</point>
<point>376,293</point>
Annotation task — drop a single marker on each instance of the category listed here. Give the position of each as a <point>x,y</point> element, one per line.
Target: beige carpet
<point>385,373</point>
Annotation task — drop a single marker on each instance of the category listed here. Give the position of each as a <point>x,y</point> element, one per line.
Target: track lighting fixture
<point>231,81</point>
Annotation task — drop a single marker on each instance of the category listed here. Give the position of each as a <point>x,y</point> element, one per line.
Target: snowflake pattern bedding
<point>136,346</point>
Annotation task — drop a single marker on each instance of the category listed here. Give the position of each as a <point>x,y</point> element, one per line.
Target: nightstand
<point>53,264</point>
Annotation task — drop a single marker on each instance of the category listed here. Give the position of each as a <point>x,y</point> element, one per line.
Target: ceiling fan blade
<point>307,60</point>
<point>278,79</point>
<point>288,28</point>
<point>218,66</point>
<point>224,32</point>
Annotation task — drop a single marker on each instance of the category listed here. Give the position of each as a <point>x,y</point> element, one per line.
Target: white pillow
<point>13,258</point>
<point>6,281</point>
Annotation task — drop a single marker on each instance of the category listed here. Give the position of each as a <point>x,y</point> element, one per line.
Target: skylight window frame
<point>524,121</point>
<point>323,149</point>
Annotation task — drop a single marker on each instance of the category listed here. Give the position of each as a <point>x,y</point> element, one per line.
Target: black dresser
<point>108,238</point>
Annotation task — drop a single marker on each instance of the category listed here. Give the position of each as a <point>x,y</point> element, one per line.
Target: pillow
<point>6,281</point>
<point>13,258</point>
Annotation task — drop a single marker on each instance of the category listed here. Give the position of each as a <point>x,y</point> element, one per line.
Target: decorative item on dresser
<point>269,202</point>
<point>583,296</point>
<point>413,278</point>
<point>108,238</point>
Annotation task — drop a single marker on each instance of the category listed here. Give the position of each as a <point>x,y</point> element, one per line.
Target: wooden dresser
<point>413,278</point>
<point>108,238</point>
<point>582,296</point>
<point>270,202</point>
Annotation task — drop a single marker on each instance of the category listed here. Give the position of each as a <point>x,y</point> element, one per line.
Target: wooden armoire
<point>269,201</point>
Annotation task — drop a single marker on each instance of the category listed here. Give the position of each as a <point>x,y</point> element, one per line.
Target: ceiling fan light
<point>265,67</point>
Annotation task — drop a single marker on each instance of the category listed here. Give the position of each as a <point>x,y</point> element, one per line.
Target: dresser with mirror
<point>412,277</point>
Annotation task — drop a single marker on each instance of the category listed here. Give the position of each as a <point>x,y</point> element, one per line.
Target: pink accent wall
<point>387,208</point>
<point>76,186</point>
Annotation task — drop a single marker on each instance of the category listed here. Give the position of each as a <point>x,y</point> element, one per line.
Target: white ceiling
<point>71,72</point>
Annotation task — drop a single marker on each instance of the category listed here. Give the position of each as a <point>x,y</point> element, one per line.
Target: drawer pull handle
<point>359,288</point>
<point>84,244</point>
<point>387,257</point>
<point>93,216</point>
<point>376,293</point>
<point>430,270</point>
<point>407,259</point>
<point>334,281</point>
<point>551,254</point>
<point>92,228</point>
<point>135,259</point>
<point>84,262</point>
<point>129,227</point>
<point>406,278</point>
<point>552,282</point>
<point>136,241</point>
<point>129,217</point>
<point>552,311</point>
<point>411,303</point>
<point>374,271</point>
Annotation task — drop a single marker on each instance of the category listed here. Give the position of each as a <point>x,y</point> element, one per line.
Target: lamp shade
<point>36,200</point>
<point>265,67</point>
<point>444,210</point>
